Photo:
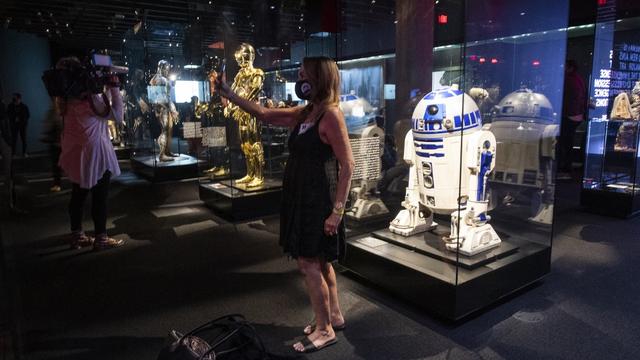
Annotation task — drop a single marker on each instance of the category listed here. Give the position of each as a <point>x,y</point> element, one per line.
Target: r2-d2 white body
<point>525,128</point>
<point>447,129</point>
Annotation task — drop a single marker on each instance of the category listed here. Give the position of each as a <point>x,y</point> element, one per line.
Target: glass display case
<point>610,184</point>
<point>472,125</point>
<point>245,158</point>
<point>158,96</point>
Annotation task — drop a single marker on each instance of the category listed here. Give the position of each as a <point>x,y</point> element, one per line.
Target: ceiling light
<point>191,66</point>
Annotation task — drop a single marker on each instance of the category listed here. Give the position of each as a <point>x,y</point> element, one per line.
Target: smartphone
<point>223,67</point>
<point>101,60</point>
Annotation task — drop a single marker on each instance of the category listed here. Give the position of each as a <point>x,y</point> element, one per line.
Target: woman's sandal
<point>311,327</point>
<point>309,347</point>
<point>80,240</point>
<point>104,243</point>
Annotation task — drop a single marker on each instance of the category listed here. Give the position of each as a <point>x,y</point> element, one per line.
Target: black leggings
<point>99,194</point>
<point>20,129</point>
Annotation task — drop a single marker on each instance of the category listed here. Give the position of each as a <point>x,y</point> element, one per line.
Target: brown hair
<point>323,74</point>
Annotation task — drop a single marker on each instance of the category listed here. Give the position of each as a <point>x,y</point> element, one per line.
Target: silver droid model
<point>159,93</point>
<point>367,144</point>
<point>525,129</point>
<point>447,130</point>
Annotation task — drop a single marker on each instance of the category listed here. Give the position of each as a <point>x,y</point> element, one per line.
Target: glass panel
<point>513,75</point>
<point>367,100</point>
<point>615,104</point>
<point>594,149</point>
<point>160,89</point>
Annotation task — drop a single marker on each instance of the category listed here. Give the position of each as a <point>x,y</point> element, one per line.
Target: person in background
<point>573,114</point>
<point>269,104</point>
<point>315,187</point>
<point>88,157</point>
<point>7,158</point>
<point>18,114</point>
<point>52,130</point>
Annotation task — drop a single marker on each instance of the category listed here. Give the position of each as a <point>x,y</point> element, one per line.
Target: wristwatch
<point>338,208</point>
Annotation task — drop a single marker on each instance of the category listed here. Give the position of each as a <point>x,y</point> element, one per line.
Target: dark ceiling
<point>167,26</point>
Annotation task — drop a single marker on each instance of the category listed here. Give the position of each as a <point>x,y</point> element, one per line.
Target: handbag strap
<point>244,324</point>
<point>211,324</point>
<point>212,350</point>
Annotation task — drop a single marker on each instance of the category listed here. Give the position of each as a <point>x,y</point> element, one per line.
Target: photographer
<point>88,157</point>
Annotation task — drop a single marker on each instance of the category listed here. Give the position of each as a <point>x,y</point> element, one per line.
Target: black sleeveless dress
<point>308,189</point>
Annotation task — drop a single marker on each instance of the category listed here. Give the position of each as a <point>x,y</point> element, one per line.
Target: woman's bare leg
<point>318,292</point>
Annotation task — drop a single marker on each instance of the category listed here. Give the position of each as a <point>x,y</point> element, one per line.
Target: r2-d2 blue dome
<point>444,113</point>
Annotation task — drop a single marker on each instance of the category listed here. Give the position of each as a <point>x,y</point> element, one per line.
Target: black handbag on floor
<point>229,337</point>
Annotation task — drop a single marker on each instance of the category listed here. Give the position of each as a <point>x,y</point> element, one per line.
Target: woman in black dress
<point>315,187</point>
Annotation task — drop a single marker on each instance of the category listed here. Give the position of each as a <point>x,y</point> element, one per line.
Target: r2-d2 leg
<point>470,229</point>
<point>412,220</point>
<point>471,233</point>
<point>544,215</point>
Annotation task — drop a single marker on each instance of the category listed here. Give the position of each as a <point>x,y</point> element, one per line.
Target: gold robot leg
<point>257,155</point>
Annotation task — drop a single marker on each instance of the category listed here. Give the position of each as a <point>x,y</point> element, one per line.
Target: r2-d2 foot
<point>471,233</point>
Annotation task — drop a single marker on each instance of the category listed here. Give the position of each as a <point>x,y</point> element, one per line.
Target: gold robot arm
<point>255,85</point>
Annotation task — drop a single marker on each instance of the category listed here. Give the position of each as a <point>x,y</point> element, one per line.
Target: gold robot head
<point>163,68</point>
<point>245,55</point>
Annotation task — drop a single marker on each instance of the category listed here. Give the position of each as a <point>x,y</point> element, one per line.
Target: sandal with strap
<point>311,327</point>
<point>105,243</point>
<point>310,347</point>
<point>80,240</point>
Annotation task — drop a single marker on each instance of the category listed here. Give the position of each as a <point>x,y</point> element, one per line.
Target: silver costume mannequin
<point>164,108</point>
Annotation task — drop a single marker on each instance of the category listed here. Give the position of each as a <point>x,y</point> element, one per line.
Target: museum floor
<point>182,266</point>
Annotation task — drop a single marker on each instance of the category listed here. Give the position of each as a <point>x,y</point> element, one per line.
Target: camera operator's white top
<point>87,152</point>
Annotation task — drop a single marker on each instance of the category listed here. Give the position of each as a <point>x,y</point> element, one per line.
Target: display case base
<point>610,203</point>
<point>269,184</point>
<point>236,205</point>
<point>431,244</point>
<point>424,274</point>
<point>148,166</point>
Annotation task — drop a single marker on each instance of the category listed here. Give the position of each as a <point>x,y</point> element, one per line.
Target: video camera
<point>73,78</point>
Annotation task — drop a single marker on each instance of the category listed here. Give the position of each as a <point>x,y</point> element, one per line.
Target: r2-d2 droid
<point>367,144</point>
<point>447,128</point>
<point>525,128</point>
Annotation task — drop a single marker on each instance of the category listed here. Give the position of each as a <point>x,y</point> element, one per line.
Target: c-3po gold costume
<point>248,84</point>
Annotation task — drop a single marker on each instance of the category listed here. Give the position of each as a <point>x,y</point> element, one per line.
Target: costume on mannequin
<point>626,136</point>
<point>165,109</point>
<point>635,101</point>
<point>214,112</point>
<point>248,84</point>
